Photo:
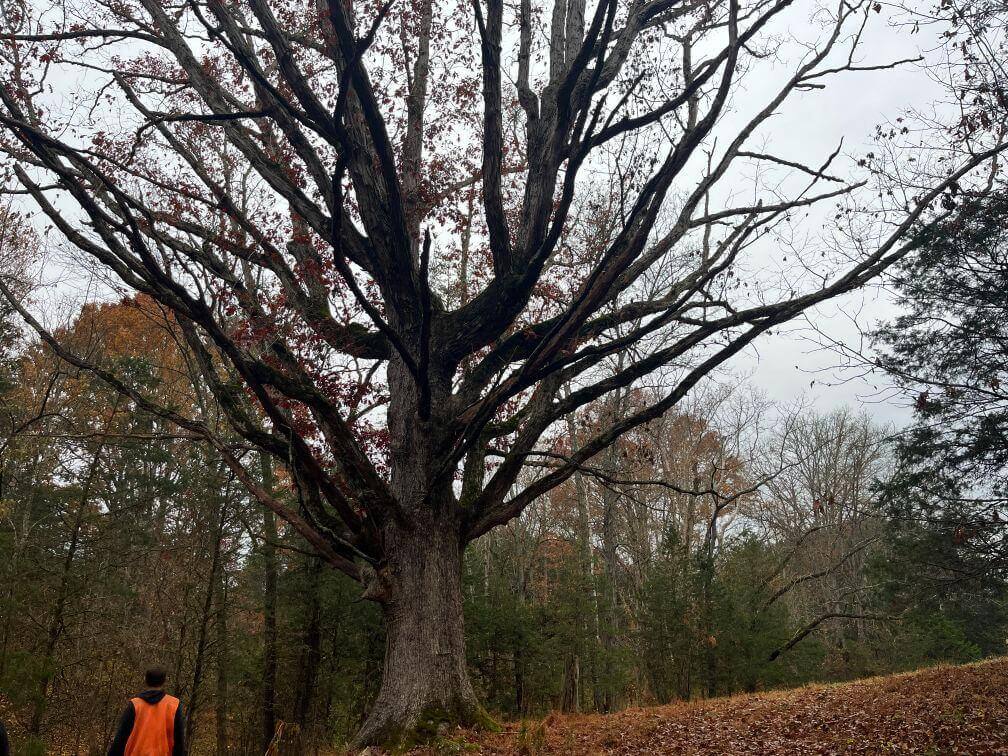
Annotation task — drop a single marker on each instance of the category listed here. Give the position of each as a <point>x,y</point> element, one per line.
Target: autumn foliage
<point>943,710</point>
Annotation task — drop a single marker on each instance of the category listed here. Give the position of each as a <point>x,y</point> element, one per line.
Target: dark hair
<point>155,676</point>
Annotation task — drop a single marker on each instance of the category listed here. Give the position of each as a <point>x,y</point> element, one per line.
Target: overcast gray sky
<point>808,127</point>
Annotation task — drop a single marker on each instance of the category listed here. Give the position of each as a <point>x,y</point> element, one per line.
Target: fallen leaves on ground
<point>944,710</point>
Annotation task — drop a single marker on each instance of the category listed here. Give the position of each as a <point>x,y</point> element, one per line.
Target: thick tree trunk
<point>425,685</point>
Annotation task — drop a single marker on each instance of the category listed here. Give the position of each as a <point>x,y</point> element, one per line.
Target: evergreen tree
<point>948,497</point>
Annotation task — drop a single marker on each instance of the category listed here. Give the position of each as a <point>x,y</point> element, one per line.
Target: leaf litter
<point>942,710</point>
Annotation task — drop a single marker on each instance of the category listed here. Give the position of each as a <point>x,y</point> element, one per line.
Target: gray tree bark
<point>425,683</point>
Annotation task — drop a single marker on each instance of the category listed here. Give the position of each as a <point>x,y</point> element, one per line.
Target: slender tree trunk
<point>608,625</point>
<point>572,685</point>
<point>710,653</point>
<point>610,500</point>
<point>183,635</point>
<point>269,614</point>
<point>8,602</point>
<point>519,642</point>
<point>56,622</point>
<point>311,655</point>
<point>424,682</point>
<point>589,608</point>
<point>202,635</point>
<point>223,662</point>
<point>519,678</point>
<point>710,641</point>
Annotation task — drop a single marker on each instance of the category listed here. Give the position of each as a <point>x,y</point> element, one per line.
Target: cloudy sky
<point>808,128</point>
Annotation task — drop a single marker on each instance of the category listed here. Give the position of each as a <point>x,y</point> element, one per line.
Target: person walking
<point>152,723</point>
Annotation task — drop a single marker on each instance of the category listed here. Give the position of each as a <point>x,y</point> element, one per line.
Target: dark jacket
<point>128,717</point>
<point>4,743</point>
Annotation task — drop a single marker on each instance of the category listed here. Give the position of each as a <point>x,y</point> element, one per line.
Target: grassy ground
<point>944,710</point>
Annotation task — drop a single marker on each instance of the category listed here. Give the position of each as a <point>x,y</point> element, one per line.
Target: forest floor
<point>942,710</point>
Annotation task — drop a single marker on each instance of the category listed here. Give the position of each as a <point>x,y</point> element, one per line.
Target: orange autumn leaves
<point>133,338</point>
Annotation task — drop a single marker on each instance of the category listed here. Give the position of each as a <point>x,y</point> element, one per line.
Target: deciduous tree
<point>299,184</point>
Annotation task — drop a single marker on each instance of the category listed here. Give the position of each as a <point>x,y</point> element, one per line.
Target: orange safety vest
<point>153,727</point>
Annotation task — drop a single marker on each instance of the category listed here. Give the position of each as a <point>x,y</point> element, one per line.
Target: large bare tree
<point>391,233</point>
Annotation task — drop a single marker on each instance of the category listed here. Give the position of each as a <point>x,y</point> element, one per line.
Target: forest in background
<point>732,545</point>
<point>460,426</point>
